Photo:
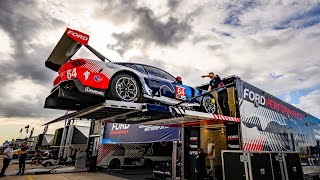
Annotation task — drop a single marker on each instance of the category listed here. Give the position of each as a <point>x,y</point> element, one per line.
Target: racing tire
<point>114,164</point>
<point>48,164</point>
<point>124,87</point>
<point>208,106</point>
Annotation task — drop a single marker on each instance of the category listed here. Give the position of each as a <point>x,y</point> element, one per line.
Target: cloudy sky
<point>272,44</point>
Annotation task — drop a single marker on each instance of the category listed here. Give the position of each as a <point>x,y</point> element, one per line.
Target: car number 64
<point>71,73</point>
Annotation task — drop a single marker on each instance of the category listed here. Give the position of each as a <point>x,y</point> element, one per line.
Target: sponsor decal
<point>234,146</point>
<point>271,104</point>
<point>233,137</point>
<point>193,153</point>
<point>193,146</point>
<point>193,138</point>
<point>254,97</point>
<point>97,78</point>
<point>86,75</point>
<point>78,36</point>
<point>119,128</point>
<point>152,128</point>
<point>282,109</point>
<point>93,91</point>
<point>141,118</point>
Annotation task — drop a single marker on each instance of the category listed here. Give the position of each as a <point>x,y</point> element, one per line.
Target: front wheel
<point>124,87</point>
<point>208,104</point>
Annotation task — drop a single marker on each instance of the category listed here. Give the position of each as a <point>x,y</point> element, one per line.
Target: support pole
<point>183,141</point>
<point>174,160</point>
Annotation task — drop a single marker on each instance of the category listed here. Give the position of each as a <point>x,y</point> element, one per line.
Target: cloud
<point>303,19</point>
<point>151,29</point>
<point>310,103</point>
<point>25,70</point>
<point>183,38</point>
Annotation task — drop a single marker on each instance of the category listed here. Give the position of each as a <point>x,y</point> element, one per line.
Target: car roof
<point>145,65</point>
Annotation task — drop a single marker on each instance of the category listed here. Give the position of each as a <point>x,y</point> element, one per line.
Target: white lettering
<point>233,146</point>
<point>116,126</point>
<point>254,97</point>
<point>193,153</point>
<point>75,34</point>
<point>193,146</point>
<point>233,136</point>
<point>71,73</point>
<point>88,89</point>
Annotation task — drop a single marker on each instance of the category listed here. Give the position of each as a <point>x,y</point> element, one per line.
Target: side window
<point>134,66</point>
<point>159,73</point>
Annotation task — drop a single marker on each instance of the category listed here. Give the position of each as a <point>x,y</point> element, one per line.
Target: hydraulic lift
<point>145,114</point>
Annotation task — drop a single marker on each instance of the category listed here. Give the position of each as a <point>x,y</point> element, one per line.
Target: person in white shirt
<point>7,156</point>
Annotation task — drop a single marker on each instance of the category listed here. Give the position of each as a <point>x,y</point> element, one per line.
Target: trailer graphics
<point>131,133</point>
<point>270,124</point>
<point>135,145</point>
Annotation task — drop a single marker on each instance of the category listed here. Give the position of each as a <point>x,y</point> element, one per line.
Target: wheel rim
<point>208,105</point>
<point>127,88</point>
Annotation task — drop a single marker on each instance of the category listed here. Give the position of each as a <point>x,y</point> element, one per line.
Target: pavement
<point>35,172</point>
<point>67,176</point>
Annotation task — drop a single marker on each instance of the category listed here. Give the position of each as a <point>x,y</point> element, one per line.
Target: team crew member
<point>216,82</point>
<point>7,156</point>
<point>22,158</point>
<point>201,170</point>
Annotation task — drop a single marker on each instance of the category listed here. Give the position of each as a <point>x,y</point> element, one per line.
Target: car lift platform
<point>146,114</point>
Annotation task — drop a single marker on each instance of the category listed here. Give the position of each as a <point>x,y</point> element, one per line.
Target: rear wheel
<point>47,164</point>
<point>208,104</point>
<point>115,164</point>
<point>124,87</point>
<point>147,163</point>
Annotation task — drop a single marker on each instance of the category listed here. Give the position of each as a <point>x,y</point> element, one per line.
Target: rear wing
<point>70,42</point>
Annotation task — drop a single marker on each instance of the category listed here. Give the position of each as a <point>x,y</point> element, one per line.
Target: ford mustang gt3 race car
<point>84,82</point>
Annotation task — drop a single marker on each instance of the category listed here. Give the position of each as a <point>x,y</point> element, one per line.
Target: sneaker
<point>18,173</point>
<point>21,173</point>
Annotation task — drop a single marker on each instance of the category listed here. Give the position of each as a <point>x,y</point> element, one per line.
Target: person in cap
<point>7,156</point>
<point>216,82</point>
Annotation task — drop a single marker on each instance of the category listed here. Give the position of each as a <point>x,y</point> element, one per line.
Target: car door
<point>161,82</point>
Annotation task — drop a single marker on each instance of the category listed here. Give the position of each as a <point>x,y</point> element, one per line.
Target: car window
<point>159,73</point>
<point>133,66</point>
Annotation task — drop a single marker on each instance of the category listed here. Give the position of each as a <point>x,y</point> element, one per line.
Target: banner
<point>115,133</point>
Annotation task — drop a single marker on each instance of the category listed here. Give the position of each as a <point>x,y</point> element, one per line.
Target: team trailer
<point>258,121</point>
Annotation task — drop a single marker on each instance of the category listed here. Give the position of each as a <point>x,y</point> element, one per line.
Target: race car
<point>84,82</point>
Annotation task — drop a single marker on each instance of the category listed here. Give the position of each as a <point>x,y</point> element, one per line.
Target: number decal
<point>180,92</point>
<point>71,73</point>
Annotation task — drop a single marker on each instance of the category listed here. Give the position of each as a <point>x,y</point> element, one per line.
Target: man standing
<point>22,158</point>
<point>201,170</point>
<point>7,156</point>
<point>216,82</point>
